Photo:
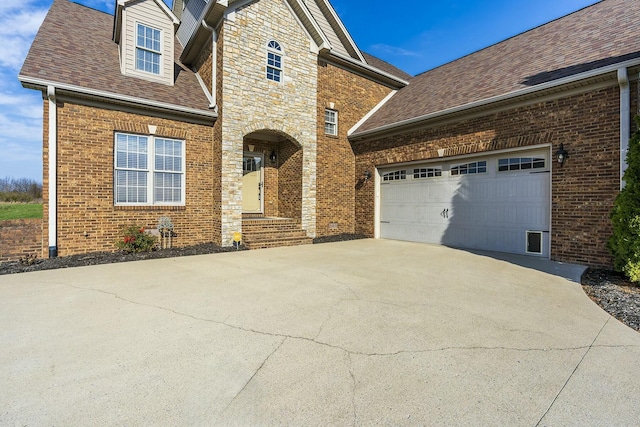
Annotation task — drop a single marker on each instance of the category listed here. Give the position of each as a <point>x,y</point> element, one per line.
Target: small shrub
<point>624,244</point>
<point>28,259</point>
<point>136,240</point>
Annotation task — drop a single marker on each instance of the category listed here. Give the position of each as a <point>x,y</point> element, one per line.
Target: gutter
<point>131,100</point>
<point>368,69</point>
<point>625,120</point>
<point>495,99</point>
<point>53,169</point>
<point>214,65</point>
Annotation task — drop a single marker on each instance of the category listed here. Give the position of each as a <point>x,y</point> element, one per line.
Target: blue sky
<point>416,37</point>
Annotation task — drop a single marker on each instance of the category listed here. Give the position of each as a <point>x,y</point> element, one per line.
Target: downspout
<point>53,176</point>
<point>625,120</point>
<point>214,64</point>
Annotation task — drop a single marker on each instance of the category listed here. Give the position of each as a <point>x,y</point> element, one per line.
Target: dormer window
<point>274,61</point>
<point>148,49</point>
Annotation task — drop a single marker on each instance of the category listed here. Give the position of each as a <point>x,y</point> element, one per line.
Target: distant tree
<point>19,190</point>
<point>624,244</point>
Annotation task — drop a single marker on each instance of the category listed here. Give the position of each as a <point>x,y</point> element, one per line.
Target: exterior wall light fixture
<point>561,154</point>
<point>273,157</point>
<point>366,176</point>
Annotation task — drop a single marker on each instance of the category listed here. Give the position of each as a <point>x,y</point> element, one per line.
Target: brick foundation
<point>19,238</point>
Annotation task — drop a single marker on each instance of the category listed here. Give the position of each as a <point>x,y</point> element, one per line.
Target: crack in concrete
<point>252,377</point>
<point>353,390</point>
<point>349,288</point>
<point>574,371</point>
<point>337,347</point>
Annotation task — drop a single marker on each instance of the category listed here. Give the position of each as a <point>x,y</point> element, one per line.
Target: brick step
<point>261,233</point>
<point>276,243</point>
<point>270,221</point>
<point>274,235</point>
<point>258,228</point>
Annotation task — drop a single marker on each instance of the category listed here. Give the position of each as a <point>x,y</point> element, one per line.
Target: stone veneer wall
<point>253,103</point>
<point>352,97</point>
<point>583,190</point>
<point>88,221</point>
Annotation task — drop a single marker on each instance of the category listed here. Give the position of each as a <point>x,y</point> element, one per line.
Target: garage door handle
<point>385,222</point>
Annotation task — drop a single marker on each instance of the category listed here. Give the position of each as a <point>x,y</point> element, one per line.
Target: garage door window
<point>426,173</point>
<point>469,168</point>
<point>520,163</point>
<point>394,176</point>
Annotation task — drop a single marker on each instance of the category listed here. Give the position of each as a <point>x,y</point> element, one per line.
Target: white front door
<point>252,182</point>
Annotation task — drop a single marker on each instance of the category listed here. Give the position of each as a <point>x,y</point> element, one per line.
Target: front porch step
<point>273,232</point>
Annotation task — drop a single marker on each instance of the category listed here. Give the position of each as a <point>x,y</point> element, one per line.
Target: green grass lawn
<point>20,211</point>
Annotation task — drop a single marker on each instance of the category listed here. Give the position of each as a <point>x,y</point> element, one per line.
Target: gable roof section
<point>74,51</point>
<point>600,35</point>
<point>333,29</point>
<point>339,47</point>
<point>120,5</point>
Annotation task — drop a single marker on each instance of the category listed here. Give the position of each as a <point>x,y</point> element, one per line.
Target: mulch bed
<point>610,290</point>
<point>615,294</point>
<point>96,258</point>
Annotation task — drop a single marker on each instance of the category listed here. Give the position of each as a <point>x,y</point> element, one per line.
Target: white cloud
<point>393,50</point>
<point>18,27</point>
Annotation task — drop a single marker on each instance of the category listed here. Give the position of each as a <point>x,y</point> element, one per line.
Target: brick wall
<point>20,237</point>
<point>352,97</point>
<point>88,221</point>
<point>583,190</point>
<point>290,181</point>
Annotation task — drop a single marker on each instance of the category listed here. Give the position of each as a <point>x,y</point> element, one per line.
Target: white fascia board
<point>161,4</point>
<point>117,97</point>
<point>313,46</point>
<point>371,113</point>
<point>343,29</point>
<point>314,25</point>
<point>370,68</point>
<point>505,97</point>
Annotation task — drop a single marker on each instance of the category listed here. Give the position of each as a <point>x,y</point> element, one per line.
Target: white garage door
<point>498,203</point>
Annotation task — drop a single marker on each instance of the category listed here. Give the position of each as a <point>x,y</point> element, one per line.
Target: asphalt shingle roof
<point>74,46</point>
<point>605,33</point>
<point>386,67</point>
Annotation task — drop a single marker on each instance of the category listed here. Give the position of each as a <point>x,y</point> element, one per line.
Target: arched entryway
<point>272,190</point>
<point>272,176</point>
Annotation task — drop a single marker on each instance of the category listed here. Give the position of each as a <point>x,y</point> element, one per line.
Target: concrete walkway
<point>354,333</point>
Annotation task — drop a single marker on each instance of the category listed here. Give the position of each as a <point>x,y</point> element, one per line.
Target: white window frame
<point>396,175</point>
<point>150,171</point>
<point>477,167</point>
<point>271,65</point>
<point>149,50</point>
<point>519,164</point>
<point>328,123</point>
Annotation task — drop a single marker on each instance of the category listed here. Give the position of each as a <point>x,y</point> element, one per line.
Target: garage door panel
<point>491,211</point>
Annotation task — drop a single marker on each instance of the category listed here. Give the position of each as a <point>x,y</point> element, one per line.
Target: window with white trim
<point>469,168</point>
<point>274,61</point>
<point>148,170</point>
<point>148,49</point>
<point>394,176</point>
<point>420,173</point>
<point>330,122</point>
<point>520,163</point>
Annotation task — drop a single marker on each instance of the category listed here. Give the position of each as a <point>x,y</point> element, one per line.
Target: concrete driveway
<point>353,333</point>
